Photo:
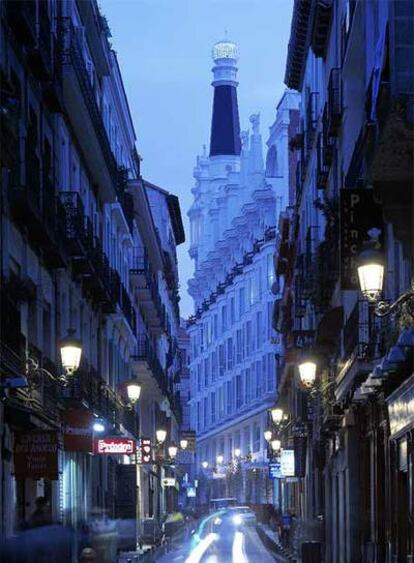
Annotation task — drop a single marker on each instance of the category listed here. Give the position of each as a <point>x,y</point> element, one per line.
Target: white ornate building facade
<point>234,352</point>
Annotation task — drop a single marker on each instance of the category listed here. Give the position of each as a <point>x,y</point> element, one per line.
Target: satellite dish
<point>275,289</point>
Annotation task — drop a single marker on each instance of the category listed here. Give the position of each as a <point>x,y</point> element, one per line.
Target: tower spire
<point>225,125</point>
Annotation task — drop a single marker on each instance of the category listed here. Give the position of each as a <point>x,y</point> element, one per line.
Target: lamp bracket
<point>384,309</point>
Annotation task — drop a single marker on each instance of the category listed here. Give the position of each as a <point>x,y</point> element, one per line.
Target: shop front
<point>400,533</point>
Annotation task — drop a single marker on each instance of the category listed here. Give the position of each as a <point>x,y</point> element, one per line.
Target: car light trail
<point>201,548</point>
<point>238,548</point>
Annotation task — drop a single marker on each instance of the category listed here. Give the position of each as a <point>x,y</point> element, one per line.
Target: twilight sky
<point>164,51</point>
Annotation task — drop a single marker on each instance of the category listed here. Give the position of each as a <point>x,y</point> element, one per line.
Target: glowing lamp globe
<point>267,435</point>
<point>161,434</point>
<point>277,415</point>
<point>133,392</point>
<point>183,444</point>
<point>307,373</point>
<point>205,464</point>
<point>220,459</point>
<point>276,445</point>
<point>70,353</point>
<point>237,452</point>
<point>371,274</point>
<point>172,451</point>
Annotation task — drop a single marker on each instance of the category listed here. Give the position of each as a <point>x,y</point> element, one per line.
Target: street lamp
<point>370,268</point>
<point>172,451</point>
<point>267,435</point>
<point>276,445</point>
<point>307,373</point>
<point>161,434</point>
<point>70,353</point>
<point>133,391</point>
<point>277,415</point>
<point>205,464</point>
<point>371,279</point>
<point>220,459</point>
<point>237,452</point>
<point>183,443</point>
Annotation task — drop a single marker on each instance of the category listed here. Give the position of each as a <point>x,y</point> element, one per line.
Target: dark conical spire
<point>225,125</point>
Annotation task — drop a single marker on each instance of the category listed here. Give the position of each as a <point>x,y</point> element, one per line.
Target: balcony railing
<point>22,18</point>
<point>311,120</point>
<point>322,13</point>
<point>322,170</point>
<point>144,352</point>
<point>74,56</point>
<point>40,57</point>
<point>334,103</point>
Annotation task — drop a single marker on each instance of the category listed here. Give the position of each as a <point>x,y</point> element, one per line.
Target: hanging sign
<point>287,463</point>
<point>274,470</point>
<point>144,451</point>
<point>114,446</point>
<point>36,455</point>
<point>360,217</point>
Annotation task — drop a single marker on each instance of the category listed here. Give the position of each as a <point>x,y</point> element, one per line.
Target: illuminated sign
<point>287,463</point>
<point>144,451</point>
<point>191,492</point>
<point>169,482</point>
<point>274,470</point>
<point>114,446</point>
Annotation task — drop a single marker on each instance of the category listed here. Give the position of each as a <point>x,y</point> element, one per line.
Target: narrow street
<point>219,540</point>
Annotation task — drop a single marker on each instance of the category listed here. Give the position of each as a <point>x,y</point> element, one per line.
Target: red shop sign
<point>114,446</point>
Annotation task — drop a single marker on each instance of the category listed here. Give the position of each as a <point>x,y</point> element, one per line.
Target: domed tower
<point>225,125</point>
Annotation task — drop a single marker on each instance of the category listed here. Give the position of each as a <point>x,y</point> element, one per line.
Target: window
<point>213,407</point>
<point>259,327</point>
<point>213,365</point>
<point>215,326</point>
<point>208,332</point>
<point>249,337</point>
<point>224,318</point>
<point>264,374</point>
<point>239,391</point>
<point>232,311</point>
<point>238,346</point>
<point>270,373</point>
<point>205,413</point>
<point>201,374</point>
<point>242,304</point>
<point>270,271</point>
<point>230,353</point>
<point>206,372</point>
<point>229,397</point>
<point>256,436</point>
<point>269,319</point>
<point>201,338</point>
<point>246,433</point>
<point>221,401</point>
<point>198,416</point>
<point>247,386</point>
<point>252,290</point>
<point>258,379</point>
<point>199,378</point>
<point>222,359</point>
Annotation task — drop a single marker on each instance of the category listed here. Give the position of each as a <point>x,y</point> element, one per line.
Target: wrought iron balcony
<point>147,367</point>
<point>40,57</point>
<point>311,120</point>
<point>322,169</point>
<point>334,103</point>
<point>321,24</point>
<point>21,16</point>
<point>73,55</point>
<point>146,287</point>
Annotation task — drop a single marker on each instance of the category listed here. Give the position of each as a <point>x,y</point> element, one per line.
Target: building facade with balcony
<point>354,456</point>
<point>77,256</point>
<point>234,353</point>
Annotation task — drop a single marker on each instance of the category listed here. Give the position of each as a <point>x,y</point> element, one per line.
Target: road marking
<point>238,548</point>
<point>198,552</point>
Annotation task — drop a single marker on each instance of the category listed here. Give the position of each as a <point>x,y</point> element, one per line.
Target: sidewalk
<point>271,540</point>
